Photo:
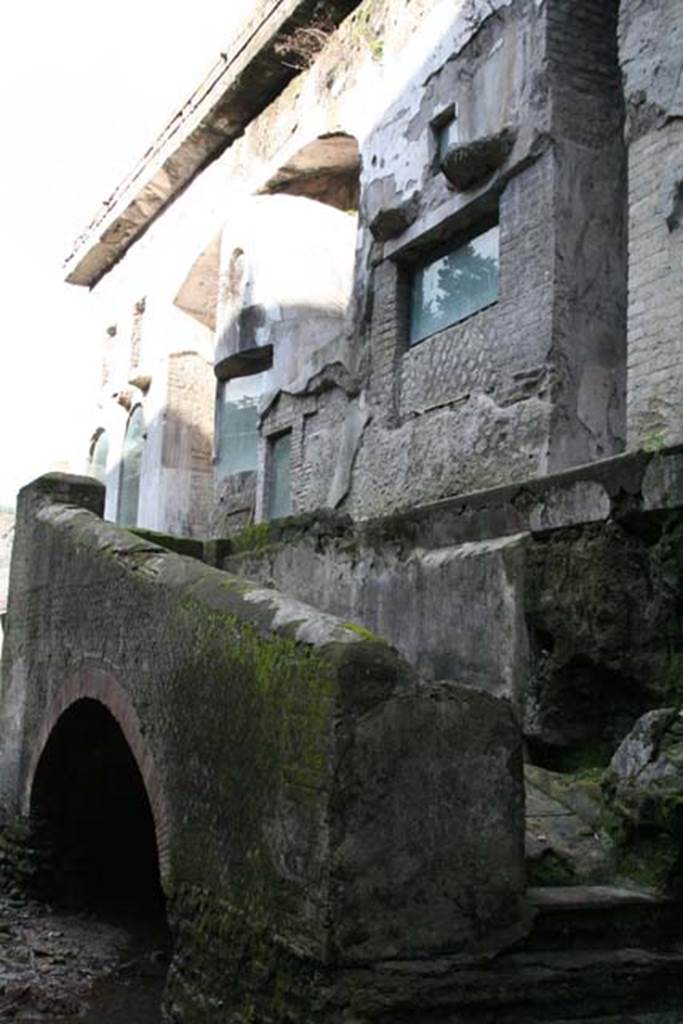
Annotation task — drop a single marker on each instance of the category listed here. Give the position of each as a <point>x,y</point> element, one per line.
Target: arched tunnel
<point>92,818</point>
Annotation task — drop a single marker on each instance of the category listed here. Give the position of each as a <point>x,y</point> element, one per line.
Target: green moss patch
<point>180,545</point>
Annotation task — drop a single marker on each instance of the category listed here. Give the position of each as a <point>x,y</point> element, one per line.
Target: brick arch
<point>97,684</point>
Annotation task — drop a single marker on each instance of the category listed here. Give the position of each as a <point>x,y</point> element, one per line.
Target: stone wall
<point>303,780</point>
<point>535,382</point>
<point>563,593</point>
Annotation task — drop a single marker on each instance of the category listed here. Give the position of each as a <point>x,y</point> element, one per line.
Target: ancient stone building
<point>399,269</point>
<point>391,319</point>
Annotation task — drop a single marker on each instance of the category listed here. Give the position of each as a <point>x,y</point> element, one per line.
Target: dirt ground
<point>55,965</point>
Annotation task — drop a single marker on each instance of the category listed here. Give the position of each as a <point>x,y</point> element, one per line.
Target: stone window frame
<point>390,285</point>
<point>220,384</point>
<point>451,246</point>
<point>478,218</point>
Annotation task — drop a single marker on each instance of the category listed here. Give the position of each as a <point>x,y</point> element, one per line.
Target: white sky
<point>86,87</point>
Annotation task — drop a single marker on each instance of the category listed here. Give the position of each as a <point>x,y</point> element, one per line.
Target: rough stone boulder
<point>645,776</point>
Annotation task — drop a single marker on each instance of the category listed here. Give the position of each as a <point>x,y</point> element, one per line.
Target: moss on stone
<point>361,631</point>
<point>261,709</point>
<point>651,860</point>
<point>252,538</point>
<point>549,869</point>
<point>273,724</point>
<point>19,860</point>
<point>307,526</point>
<point>238,967</point>
<point>180,545</point>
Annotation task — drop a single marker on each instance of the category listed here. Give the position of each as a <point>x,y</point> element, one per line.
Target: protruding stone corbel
<point>467,163</point>
<point>392,221</point>
<point>141,380</point>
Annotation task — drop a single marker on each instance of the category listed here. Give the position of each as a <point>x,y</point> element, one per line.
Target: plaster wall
<point>294,273</point>
<point>159,263</point>
<point>6,538</point>
<point>142,353</point>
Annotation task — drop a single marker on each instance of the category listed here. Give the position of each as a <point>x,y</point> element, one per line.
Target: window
<point>279,477</point>
<point>129,474</point>
<point>99,454</point>
<point>453,285</point>
<point>445,132</point>
<point>447,135</point>
<point>237,424</point>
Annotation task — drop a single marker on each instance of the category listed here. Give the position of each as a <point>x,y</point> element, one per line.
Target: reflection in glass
<point>129,474</point>
<point>237,424</point>
<point>447,136</point>
<point>98,458</point>
<point>453,286</point>
<point>279,477</point>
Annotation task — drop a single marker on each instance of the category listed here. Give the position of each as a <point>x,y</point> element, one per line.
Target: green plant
<point>365,30</point>
<point>653,441</point>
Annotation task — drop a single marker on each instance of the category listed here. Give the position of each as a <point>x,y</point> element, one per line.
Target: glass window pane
<point>237,424</point>
<point>98,459</point>
<point>448,135</point>
<point>131,463</point>
<point>452,287</point>
<point>280,487</point>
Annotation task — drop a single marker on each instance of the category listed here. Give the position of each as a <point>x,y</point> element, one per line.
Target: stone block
<point>663,481</point>
<point>467,163</point>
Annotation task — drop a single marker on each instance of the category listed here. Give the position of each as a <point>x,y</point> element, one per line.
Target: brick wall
<point>581,41</point>
<point>650,43</point>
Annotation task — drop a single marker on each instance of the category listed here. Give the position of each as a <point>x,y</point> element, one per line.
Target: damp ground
<point>63,967</point>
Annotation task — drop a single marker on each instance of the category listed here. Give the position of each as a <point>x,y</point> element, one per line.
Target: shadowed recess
<point>92,816</point>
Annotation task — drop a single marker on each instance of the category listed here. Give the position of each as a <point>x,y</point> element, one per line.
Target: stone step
<point>595,986</point>
<point>602,916</point>
<point>670,1017</point>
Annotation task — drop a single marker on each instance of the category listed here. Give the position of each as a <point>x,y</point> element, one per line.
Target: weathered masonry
<point>303,783</point>
<point>375,618</point>
<point>392,252</point>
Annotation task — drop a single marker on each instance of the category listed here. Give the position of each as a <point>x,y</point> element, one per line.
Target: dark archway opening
<point>92,818</point>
